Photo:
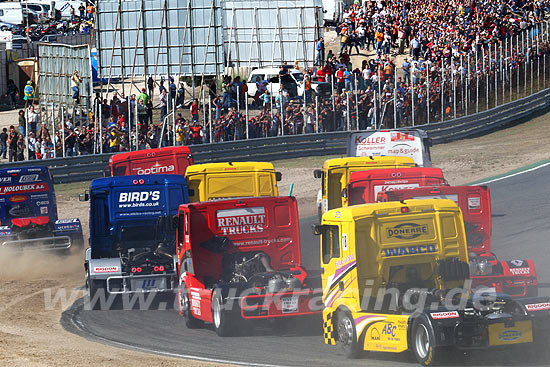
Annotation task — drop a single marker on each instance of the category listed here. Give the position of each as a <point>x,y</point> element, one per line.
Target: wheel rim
<point>345,331</point>
<point>217,312</point>
<point>422,341</point>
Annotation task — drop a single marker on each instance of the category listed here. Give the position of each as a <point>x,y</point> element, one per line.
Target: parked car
<point>293,82</point>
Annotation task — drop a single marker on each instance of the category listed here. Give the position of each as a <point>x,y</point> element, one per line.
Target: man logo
<point>407,231</point>
<point>374,334</point>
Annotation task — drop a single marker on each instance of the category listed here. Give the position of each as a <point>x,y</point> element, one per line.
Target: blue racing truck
<point>28,212</point>
<point>133,235</point>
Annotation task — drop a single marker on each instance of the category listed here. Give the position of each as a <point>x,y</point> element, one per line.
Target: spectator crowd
<point>431,61</point>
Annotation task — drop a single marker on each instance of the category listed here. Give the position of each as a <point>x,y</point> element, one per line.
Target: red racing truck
<point>240,259</point>
<point>517,278</point>
<point>168,160</point>
<point>364,186</point>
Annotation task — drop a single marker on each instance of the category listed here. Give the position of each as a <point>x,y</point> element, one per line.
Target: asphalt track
<point>521,229</point>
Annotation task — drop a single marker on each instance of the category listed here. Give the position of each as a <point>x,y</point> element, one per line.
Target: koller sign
<point>407,231</point>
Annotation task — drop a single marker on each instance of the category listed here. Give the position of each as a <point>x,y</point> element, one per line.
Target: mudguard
<point>67,226</point>
<point>104,268</point>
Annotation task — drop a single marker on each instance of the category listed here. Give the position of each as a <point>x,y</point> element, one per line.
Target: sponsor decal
<point>538,306</point>
<point>106,269</point>
<point>520,271</point>
<point>23,188</point>
<point>401,136</point>
<point>379,188</point>
<point>389,329</point>
<point>28,178</point>
<point>410,250</point>
<point>374,334</point>
<point>365,140</point>
<point>241,221</point>
<point>474,203</point>
<point>449,197</point>
<point>64,221</point>
<point>44,210</point>
<point>407,231</point>
<point>155,169</point>
<point>444,315</point>
<point>18,198</point>
<point>344,261</point>
<point>45,202</point>
<point>5,179</point>
<point>516,263</point>
<point>510,335</point>
<point>138,196</point>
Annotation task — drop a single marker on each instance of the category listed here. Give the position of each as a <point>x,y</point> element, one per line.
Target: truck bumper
<point>284,304</point>
<point>38,244</point>
<point>127,284</point>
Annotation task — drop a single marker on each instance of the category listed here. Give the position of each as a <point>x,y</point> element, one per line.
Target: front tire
<point>185,309</point>
<point>222,321</point>
<point>347,336</point>
<point>424,343</point>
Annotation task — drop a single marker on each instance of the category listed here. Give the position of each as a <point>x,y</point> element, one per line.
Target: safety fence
<point>88,167</point>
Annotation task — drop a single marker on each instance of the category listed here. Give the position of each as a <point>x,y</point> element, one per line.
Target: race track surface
<point>521,229</point>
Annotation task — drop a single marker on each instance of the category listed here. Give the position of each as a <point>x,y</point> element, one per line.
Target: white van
<point>333,10</point>
<point>11,12</point>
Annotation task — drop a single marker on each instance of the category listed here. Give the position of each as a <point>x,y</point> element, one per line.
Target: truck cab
<point>413,143</point>
<point>168,160</point>
<point>240,259</point>
<point>517,277</point>
<point>364,186</point>
<point>132,234</point>
<point>395,278</point>
<point>336,172</point>
<point>28,212</point>
<point>213,181</point>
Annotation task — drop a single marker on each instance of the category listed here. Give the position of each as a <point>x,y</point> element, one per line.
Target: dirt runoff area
<point>30,333</point>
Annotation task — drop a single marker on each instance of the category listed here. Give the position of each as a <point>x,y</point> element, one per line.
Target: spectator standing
<point>194,108</point>
<point>72,11</point>
<point>320,55</point>
<point>163,104</point>
<point>75,86</point>
<point>4,143</point>
<point>196,133</point>
<point>32,146</point>
<point>150,86</point>
<point>22,122</point>
<point>12,92</point>
<point>82,11</point>
<point>20,146</point>
<point>143,97</point>
<point>90,11</point>
<point>70,142</point>
<point>33,119</point>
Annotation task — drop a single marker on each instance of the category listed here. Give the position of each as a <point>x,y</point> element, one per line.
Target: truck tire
<point>222,320</point>
<point>185,309</point>
<point>347,336</point>
<point>95,287</point>
<point>424,344</point>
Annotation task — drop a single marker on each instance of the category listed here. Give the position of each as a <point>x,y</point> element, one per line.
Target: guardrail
<point>88,167</point>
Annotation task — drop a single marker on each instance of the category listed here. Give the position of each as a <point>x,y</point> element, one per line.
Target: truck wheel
<point>423,343</point>
<point>185,310</point>
<point>347,336</point>
<point>222,321</point>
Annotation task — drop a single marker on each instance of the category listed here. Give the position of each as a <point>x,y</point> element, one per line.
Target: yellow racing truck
<point>395,278</point>
<point>213,181</point>
<point>335,177</point>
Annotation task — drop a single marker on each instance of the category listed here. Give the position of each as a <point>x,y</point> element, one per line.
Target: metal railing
<point>88,167</point>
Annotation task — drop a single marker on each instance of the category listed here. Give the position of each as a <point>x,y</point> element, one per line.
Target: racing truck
<point>132,235</point>
<point>405,142</point>
<point>28,212</point>
<point>364,186</point>
<point>212,181</point>
<point>335,177</point>
<point>517,278</point>
<point>395,278</point>
<point>240,259</point>
<point>168,160</point>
